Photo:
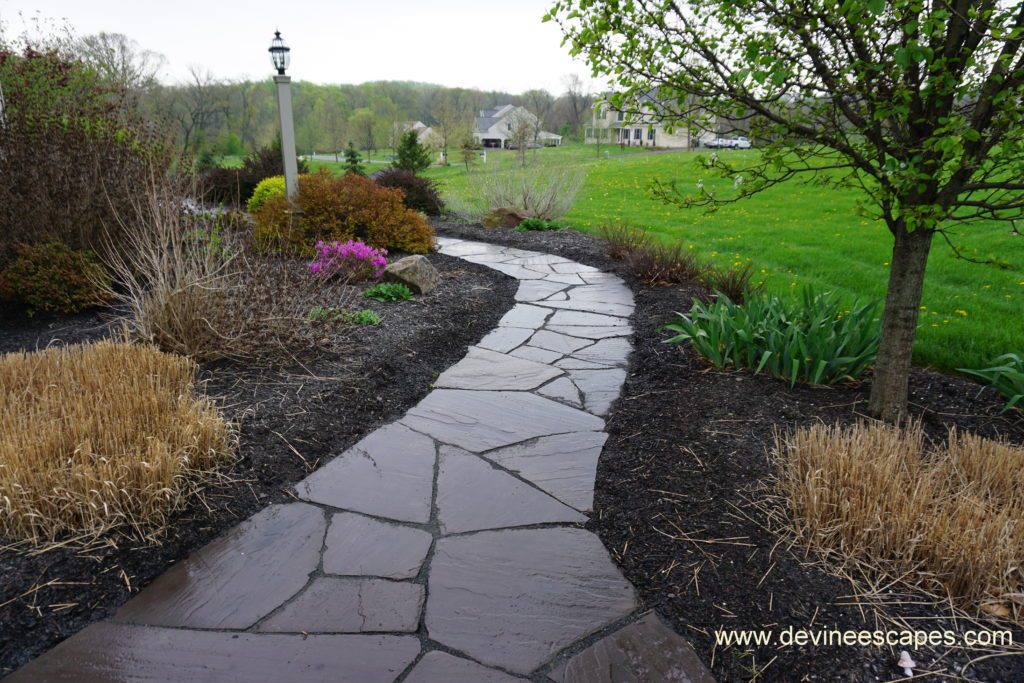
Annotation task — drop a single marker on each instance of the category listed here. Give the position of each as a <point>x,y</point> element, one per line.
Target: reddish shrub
<point>338,210</point>
<point>420,194</point>
<point>55,278</point>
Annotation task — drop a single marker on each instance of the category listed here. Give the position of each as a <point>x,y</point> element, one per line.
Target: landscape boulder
<point>415,271</point>
<point>504,218</point>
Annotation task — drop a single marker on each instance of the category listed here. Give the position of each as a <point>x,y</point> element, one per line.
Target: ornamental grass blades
<point>1006,376</point>
<point>815,339</point>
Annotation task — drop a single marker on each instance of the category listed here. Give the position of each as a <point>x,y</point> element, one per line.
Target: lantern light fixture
<point>279,53</point>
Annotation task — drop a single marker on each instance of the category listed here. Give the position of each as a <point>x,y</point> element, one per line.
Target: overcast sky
<point>467,43</point>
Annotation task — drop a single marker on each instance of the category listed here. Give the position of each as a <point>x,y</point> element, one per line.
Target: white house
<point>639,126</point>
<point>501,126</point>
<point>423,131</point>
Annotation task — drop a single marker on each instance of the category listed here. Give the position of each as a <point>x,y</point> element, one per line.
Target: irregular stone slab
<point>572,363</point>
<point>572,267</point>
<point>361,546</point>
<point>239,578</point>
<point>388,474</point>
<point>487,258</point>
<point>562,343</point>
<point>481,420</point>
<point>565,278</point>
<point>535,354</point>
<point>607,293</point>
<point>562,389</point>
<point>606,352</point>
<point>504,339</point>
<point>472,495</point>
<point>620,310</point>
<point>514,598</point>
<point>474,248</point>
<point>441,667</point>
<point>525,315</point>
<point>592,332</point>
<point>641,652</point>
<point>597,278</point>
<point>541,268</point>
<point>415,271</point>
<point>106,652</point>
<point>335,605</point>
<point>565,465</point>
<point>487,370</point>
<point>579,318</point>
<point>539,259</point>
<point>535,290</point>
<point>560,296</point>
<point>600,388</point>
<point>518,272</point>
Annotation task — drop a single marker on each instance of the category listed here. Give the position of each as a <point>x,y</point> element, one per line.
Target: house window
<point>602,113</point>
<point>621,116</point>
<point>650,134</point>
<point>590,132</point>
<point>638,134</point>
<point>509,126</point>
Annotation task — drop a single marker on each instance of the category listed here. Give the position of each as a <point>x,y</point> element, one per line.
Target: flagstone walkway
<point>446,547</point>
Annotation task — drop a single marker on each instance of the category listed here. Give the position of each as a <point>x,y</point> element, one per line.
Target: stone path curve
<point>445,547</point>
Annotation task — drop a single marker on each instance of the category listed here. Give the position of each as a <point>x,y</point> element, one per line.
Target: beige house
<point>500,126</point>
<point>639,127</point>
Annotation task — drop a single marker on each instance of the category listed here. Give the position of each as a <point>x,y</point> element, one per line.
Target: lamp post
<point>281,58</point>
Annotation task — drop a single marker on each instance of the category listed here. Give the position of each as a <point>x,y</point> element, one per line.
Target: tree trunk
<point>899,324</point>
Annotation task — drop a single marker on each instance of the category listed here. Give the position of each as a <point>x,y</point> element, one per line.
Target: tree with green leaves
<point>412,155</point>
<point>353,160</point>
<point>915,103</point>
<point>467,150</point>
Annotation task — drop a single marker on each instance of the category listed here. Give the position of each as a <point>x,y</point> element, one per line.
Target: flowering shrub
<point>353,260</point>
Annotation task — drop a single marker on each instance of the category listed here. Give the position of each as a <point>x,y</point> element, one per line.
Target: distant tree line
<point>213,116</point>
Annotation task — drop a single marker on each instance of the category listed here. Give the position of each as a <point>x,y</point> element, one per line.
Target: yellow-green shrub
<point>265,189</point>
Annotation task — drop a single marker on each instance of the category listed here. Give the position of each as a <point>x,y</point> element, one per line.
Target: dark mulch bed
<point>687,446</point>
<point>318,411</point>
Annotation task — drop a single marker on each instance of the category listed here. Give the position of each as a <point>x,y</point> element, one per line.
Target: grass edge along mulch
<point>100,439</point>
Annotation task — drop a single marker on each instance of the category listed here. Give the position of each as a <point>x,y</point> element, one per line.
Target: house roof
<point>489,117</point>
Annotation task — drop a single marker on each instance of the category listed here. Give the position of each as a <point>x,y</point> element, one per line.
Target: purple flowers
<point>353,260</point>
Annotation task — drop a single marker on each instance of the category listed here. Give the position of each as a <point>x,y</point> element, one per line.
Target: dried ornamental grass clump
<point>101,438</point>
<point>947,518</point>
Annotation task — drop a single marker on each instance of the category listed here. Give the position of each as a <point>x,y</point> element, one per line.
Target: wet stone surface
<point>337,605</point>
<point>562,389</point>
<point>484,369</point>
<point>600,388</point>
<point>441,667</point>
<point>473,495</point>
<point>565,466</point>
<point>514,598</point>
<point>562,343</point>
<point>361,546</point>
<point>387,474</point>
<point>462,517</point>
<point>109,653</point>
<point>238,579</point>
<point>481,420</point>
<point>644,651</point>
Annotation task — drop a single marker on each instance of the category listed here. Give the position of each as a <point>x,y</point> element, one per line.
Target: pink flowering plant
<point>352,260</point>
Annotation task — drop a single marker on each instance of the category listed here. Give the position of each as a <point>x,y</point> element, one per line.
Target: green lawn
<point>796,235</point>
